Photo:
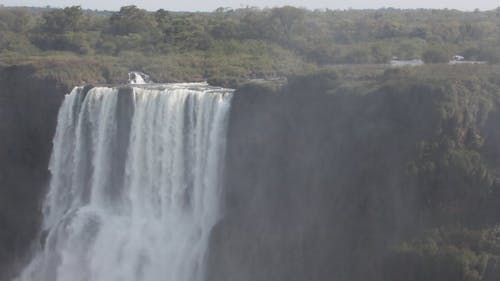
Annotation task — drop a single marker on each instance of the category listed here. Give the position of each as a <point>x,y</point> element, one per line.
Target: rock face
<point>28,110</point>
<point>322,187</point>
<point>311,190</point>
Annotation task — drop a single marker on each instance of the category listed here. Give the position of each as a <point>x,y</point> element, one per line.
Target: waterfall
<point>136,77</point>
<point>136,184</point>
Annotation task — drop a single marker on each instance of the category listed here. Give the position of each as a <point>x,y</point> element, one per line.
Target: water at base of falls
<point>135,188</point>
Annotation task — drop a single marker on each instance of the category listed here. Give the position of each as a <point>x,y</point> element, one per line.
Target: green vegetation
<point>448,254</point>
<point>436,55</point>
<point>232,45</point>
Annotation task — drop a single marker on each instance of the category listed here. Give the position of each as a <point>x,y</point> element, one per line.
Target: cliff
<point>338,175</point>
<point>30,95</point>
<point>329,179</point>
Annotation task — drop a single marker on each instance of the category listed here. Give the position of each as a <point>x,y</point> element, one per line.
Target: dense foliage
<point>249,42</point>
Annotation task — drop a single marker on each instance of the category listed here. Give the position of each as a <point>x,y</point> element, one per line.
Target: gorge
<point>388,178</point>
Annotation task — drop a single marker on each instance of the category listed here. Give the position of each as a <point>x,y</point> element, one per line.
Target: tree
<point>389,30</point>
<point>254,25</point>
<point>63,20</point>
<point>63,29</point>
<point>163,19</point>
<point>130,19</point>
<point>283,19</point>
<point>186,33</point>
<point>436,55</point>
<point>15,19</point>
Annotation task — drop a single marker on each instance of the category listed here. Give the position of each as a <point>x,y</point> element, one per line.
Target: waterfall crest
<point>136,184</point>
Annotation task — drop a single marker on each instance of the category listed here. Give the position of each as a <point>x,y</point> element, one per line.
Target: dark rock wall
<point>28,113</point>
<point>319,187</point>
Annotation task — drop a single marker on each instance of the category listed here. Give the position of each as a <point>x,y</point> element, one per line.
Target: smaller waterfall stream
<point>138,78</point>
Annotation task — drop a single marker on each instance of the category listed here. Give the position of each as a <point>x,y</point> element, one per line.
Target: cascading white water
<point>137,78</point>
<point>136,175</point>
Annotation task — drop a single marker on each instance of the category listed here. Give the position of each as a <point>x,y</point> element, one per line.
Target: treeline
<point>318,35</point>
<point>254,42</point>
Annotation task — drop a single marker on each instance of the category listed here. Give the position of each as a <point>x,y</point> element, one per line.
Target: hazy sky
<point>209,5</point>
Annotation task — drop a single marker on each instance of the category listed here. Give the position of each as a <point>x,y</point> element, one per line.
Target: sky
<point>210,5</point>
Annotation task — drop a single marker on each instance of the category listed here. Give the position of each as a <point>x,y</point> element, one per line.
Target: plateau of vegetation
<point>231,45</point>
